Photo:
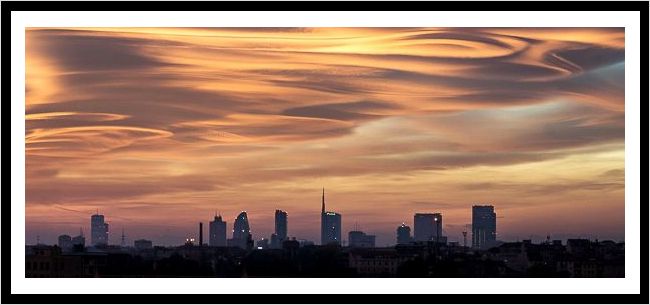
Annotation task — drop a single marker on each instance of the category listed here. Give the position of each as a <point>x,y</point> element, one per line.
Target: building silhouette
<point>280,234</point>
<point>427,226</point>
<point>404,234</point>
<point>281,225</point>
<point>484,226</point>
<point>330,229</point>
<point>359,239</point>
<point>98,230</point>
<point>241,236</point>
<point>200,234</point>
<point>142,244</point>
<point>65,242</point>
<point>274,242</point>
<point>79,241</point>
<point>217,232</point>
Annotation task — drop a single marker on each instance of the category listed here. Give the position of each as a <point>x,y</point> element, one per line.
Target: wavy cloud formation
<point>167,125</point>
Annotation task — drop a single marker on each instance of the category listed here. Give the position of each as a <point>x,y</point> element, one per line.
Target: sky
<point>160,128</point>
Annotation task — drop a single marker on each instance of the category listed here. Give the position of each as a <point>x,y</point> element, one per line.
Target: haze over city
<point>160,128</point>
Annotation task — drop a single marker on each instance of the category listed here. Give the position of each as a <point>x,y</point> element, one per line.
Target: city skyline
<point>481,231</point>
<point>425,254</point>
<point>159,127</point>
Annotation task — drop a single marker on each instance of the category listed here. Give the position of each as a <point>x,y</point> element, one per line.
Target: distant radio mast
<point>465,239</point>
<point>123,244</point>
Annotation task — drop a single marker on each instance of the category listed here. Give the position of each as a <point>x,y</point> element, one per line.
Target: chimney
<point>200,234</point>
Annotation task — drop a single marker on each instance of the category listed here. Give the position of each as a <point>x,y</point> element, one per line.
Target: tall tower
<point>484,226</point>
<point>241,231</point>
<point>281,225</point>
<point>98,230</point>
<point>330,225</point>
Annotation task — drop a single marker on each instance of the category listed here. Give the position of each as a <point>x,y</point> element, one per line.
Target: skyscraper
<point>281,225</point>
<point>98,230</point>
<point>427,226</point>
<point>330,228</point>
<point>484,226</point>
<point>217,232</point>
<point>404,234</point>
<point>241,232</point>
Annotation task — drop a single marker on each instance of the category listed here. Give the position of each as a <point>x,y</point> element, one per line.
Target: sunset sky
<point>159,128</point>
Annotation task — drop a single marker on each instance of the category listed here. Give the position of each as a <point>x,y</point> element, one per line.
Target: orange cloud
<point>159,127</point>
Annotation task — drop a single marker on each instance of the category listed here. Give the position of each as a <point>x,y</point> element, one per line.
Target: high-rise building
<point>98,230</point>
<point>330,227</point>
<point>358,239</point>
<point>281,225</point>
<point>65,242</point>
<point>484,226</point>
<point>217,232</point>
<point>241,232</point>
<point>427,226</point>
<point>404,234</point>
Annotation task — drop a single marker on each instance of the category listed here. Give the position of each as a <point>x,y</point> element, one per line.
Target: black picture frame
<point>54,6</point>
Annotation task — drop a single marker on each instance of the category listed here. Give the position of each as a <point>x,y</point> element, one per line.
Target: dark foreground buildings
<point>425,254</point>
<point>576,258</point>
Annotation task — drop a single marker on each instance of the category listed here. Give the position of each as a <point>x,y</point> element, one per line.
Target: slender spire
<point>323,202</point>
